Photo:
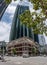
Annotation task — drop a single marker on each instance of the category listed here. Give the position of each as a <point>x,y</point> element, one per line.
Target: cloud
<point>9,13</point>
<point>10,9</point>
<point>4,31</point>
<point>5,23</point>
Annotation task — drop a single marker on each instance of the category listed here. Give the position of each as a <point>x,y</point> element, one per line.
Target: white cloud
<point>10,9</point>
<point>9,13</point>
<point>5,23</point>
<point>4,31</point>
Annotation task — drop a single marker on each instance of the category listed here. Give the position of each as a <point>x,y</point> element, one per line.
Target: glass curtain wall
<point>17,29</point>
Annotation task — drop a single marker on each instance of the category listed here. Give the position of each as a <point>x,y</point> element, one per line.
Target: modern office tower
<point>18,30</point>
<point>21,36</point>
<point>3,6</point>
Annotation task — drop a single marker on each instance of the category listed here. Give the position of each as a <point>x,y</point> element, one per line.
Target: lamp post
<point>3,44</point>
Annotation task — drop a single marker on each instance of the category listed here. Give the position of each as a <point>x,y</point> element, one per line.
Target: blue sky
<point>5,24</point>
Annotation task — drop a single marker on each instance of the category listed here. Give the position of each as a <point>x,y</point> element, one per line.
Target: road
<point>25,61</point>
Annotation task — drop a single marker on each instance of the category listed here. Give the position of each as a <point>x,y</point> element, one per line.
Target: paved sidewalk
<point>25,61</point>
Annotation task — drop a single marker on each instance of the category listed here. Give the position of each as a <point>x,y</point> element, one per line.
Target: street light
<point>2,56</point>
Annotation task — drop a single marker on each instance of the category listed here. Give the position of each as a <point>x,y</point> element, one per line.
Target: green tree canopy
<point>14,50</point>
<point>34,20</point>
<point>37,4</point>
<point>8,1</point>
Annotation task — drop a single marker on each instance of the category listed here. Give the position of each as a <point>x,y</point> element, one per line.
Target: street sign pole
<point>3,52</point>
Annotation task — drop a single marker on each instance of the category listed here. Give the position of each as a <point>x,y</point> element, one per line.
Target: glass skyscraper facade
<point>3,6</point>
<point>20,30</point>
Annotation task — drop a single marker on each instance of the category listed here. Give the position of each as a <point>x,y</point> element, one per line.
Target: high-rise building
<point>21,36</point>
<point>3,6</point>
<point>18,30</point>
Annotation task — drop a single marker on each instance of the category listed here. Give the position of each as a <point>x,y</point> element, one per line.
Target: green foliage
<point>35,21</point>
<point>40,4</point>
<point>14,0</point>
<point>34,50</point>
<point>37,24</point>
<point>8,1</point>
<point>14,51</point>
<point>26,18</point>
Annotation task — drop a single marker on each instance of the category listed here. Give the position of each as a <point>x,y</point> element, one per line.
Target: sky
<point>6,21</point>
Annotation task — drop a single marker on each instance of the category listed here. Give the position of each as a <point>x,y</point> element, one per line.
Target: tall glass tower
<point>17,29</point>
<point>3,6</point>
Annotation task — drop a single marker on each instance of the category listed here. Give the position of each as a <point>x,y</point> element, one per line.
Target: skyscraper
<point>20,30</point>
<point>3,6</point>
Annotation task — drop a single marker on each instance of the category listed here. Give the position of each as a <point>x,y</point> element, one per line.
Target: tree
<point>37,4</point>
<point>14,51</point>
<point>8,1</point>
<point>35,20</point>
<point>34,51</point>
